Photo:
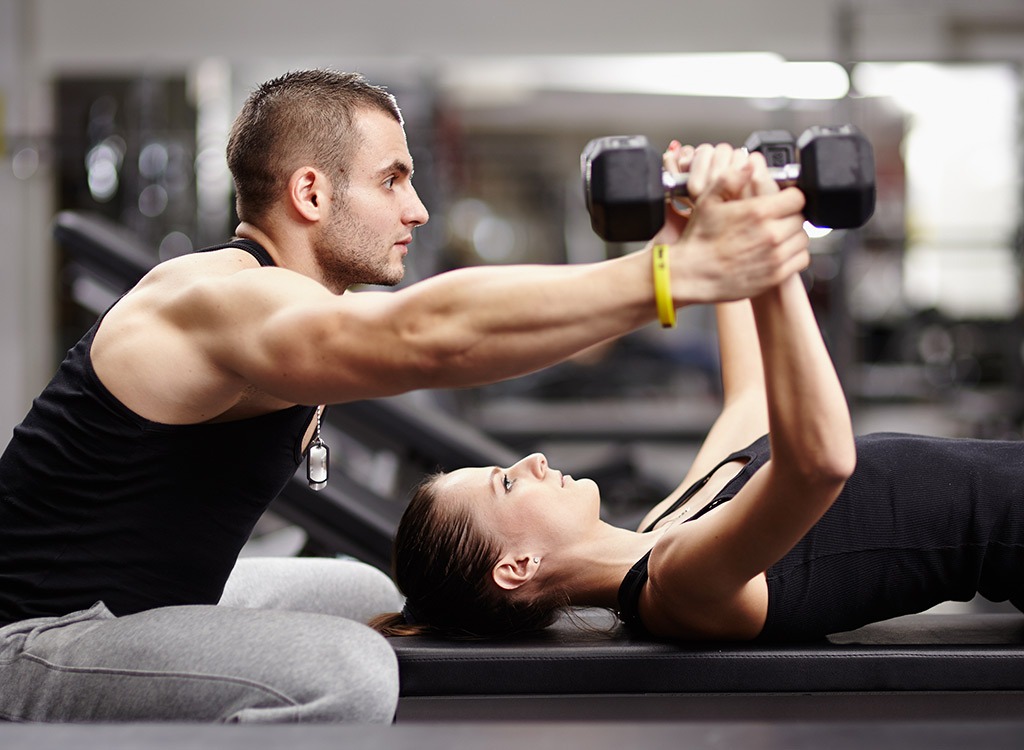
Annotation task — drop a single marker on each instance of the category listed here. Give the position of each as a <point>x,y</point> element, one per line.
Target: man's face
<point>365,238</point>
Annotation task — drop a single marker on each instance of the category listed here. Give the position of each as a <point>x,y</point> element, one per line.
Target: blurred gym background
<point>121,108</point>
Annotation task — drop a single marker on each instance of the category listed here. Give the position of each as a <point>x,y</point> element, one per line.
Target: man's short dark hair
<point>302,117</point>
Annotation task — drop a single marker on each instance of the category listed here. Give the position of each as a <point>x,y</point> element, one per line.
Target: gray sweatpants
<point>285,644</point>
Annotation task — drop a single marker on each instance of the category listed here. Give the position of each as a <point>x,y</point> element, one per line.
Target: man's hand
<point>744,235</point>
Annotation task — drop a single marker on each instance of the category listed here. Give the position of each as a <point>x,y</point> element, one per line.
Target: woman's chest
<point>702,495</point>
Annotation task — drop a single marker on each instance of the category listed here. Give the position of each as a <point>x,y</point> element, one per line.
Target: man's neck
<point>248,231</point>
<point>288,251</point>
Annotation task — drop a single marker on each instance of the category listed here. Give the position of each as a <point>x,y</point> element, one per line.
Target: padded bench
<point>926,666</point>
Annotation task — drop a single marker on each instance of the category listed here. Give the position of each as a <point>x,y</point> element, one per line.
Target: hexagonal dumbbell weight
<point>626,188</point>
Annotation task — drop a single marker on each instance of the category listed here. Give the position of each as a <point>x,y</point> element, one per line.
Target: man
<point>128,490</point>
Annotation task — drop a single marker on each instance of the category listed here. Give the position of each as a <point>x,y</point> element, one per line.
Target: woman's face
<point>528,500</point>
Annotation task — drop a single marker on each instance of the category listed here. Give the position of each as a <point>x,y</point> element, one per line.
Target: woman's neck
<point>594,568</point>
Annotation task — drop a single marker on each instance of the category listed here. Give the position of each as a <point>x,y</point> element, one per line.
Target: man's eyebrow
<point>398,166</point>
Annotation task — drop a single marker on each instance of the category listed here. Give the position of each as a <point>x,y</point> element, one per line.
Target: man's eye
<point>389,183</point>
<point>507,482</point>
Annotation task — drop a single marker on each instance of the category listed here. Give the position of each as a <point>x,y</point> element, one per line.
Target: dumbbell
<point>626,189</point>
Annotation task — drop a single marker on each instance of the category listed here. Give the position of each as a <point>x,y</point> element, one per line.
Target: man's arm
<point>291,338</point>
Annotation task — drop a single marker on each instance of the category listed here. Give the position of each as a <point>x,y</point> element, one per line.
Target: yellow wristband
<point>663,287</point>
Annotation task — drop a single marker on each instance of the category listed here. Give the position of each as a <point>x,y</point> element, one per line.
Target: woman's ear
<point>307,190</point>
<point>512,571</point>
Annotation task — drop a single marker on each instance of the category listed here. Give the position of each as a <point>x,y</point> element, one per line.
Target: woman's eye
<point>507,482</point>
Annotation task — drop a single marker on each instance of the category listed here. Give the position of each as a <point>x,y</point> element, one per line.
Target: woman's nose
<point>536,463</point>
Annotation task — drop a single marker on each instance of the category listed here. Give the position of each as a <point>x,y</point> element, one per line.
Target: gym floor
<point>936,735</point>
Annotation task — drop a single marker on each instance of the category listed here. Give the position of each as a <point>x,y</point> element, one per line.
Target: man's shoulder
<point>251,247</point>
<point>188,274</point>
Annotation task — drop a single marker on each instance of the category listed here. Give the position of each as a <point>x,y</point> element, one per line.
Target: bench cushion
<point>927,652</point>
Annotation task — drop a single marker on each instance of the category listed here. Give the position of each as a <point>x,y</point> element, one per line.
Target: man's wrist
<point>663,286</point>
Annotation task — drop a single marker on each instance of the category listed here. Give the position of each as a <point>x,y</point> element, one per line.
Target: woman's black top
<point>922,520</point>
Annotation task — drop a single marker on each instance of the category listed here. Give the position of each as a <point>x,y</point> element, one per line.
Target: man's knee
<point>372,695</point>
<point>350,675</point>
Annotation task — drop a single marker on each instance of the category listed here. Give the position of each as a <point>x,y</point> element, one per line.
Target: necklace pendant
<point>318,458</point>
<point>317,463</point>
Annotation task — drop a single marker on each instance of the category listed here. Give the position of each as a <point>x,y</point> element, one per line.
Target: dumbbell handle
<point>676,184</point>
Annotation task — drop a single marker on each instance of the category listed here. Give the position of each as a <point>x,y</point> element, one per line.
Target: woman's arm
<point>713,561</point>
<point>744,414</point>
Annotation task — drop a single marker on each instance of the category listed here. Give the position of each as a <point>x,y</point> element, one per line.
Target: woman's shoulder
<point>689,607</point>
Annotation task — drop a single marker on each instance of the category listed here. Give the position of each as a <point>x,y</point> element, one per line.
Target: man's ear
<point>308,189</point>
<point>512,571</point>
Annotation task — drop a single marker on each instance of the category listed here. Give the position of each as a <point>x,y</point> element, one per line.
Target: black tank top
<point>922,520</point>
<point>98,503</point>
<point>633,583</point>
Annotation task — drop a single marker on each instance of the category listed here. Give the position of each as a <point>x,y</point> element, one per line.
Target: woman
<point>785,527</point>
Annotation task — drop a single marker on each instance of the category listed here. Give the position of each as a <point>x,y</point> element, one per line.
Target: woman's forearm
<point>739,350</point>
<point>809,419</point>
